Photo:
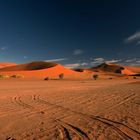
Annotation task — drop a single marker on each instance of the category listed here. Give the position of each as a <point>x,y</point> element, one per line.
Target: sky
<point>75,33</point>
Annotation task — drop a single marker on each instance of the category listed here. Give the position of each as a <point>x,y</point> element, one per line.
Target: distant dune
<point>134,69</point>
<point>127,71</point>
<point>6,64</point>
<point>113,68</point>
<point>29,66</point>
<point>83,70</point>
<point>107,67</point>
<point>38,69</point>
<point>42,69</point>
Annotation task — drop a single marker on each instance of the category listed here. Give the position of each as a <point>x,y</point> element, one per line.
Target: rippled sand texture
<point>69,110</point>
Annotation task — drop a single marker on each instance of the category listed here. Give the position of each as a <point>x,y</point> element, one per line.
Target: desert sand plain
<point>103,109</point>
<point>75,107</point>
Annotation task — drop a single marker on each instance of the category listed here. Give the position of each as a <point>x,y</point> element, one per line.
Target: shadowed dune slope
<point>106,67</point>
<point>39,69</point>
<point>44,69</point>
<point>114,68</point>
<point>29,66</point>
<point>83,70</point>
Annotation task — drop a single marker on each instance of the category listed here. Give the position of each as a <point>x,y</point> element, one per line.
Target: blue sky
<point>73,32</point>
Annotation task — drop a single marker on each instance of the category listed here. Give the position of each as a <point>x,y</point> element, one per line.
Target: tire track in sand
<point>64,128</point>
<point>124,131</point>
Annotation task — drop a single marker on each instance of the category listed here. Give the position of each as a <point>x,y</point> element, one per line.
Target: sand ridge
<point>6,64</point>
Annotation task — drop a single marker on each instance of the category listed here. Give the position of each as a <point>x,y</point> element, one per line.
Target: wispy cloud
<point>3,48</point>
<point>25,57</point>
<point>113,61</point>
<point>97,61</point>
<point>133,61</point>
<point>134,37</point>
<point>56,60</point>
<point>74,65</point>
<point>78,52</point>
<point>101,60</point>
<point>138,61</point>
<point>84,64</point>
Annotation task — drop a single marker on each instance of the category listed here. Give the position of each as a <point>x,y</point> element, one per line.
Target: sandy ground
<point>69,109</point>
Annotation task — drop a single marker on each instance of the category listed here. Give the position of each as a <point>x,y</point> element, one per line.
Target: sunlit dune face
<point>52,70</point>
<point>127,72</point>
<point>134,69</point>
<point>48,72</point>
<point>6,64</point>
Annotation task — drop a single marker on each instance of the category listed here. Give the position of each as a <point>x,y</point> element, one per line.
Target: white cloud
<point>3,48</point>
<point>25,57</point>
<point>74,65</point>
<point>133,61</point>
<point>84,64</point>
<point>130,60</point>
<point>97,61</point>
<point>56,60</point>
<point>138,61</point>
<point>134,37</point>
<point>113,61</point>
<point>78,52</point>
<point>100,59</point>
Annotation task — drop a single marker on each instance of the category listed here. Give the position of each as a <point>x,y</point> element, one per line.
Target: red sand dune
<point>30,66</point>
<point>114,68</point>
<point>127,72</point>
<point>134,69</point>
<point>107,67</point>
<point>39,69</point>
<point>6,64</point>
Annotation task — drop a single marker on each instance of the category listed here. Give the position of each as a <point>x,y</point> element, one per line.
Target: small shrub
<point>4,76</point>
<point>47,78</point>
<point>134,77</point>
<point>110,78</point>
<point>95,76</point>
<point>61,76</point>
<point>17,76</point>
<point>126,78</point>
<point>14,76</point>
